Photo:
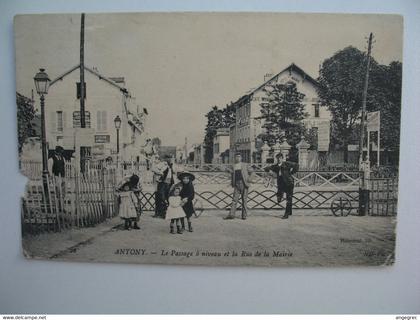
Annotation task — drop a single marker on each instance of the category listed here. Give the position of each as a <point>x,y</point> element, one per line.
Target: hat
<point>131,180</point>
<point>183,174</point>
<point>59,148</point>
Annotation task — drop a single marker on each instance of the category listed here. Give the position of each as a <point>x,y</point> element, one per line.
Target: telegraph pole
<point>362,123</point>
<point>82,72</point>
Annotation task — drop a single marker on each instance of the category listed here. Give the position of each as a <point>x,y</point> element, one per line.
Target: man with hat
<point>240,179</point>
<point>284,171</point>
<point>165,180</point>
<point>57,166</point>
<point>57,162</point>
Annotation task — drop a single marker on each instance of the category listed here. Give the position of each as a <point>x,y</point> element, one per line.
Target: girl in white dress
<point>128,201</point>
<point>175,212</point>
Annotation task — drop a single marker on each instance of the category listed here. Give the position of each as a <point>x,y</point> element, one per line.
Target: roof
<point>111,81</point>
<point>290,68</point>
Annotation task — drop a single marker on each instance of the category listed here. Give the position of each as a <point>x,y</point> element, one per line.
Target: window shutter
<point>64,120</point>
<point>51,122</point>
<point>98,120</point>
<point>104,124</point>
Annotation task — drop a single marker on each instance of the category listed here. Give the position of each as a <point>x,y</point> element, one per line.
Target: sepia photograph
<point>218,139</point>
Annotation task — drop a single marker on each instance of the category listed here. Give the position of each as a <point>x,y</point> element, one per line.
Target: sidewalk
<point>47,245</point>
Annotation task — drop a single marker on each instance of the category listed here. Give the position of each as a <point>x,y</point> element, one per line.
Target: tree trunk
<point>346,150</point>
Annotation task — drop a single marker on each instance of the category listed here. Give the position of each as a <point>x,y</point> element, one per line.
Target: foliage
<point>25,115</point>
<point>216,119</point>
<point>311,136</point>
<point>282,112</point>
<point>384,95</point>
<point>341,81</point>
<point>156,141</point>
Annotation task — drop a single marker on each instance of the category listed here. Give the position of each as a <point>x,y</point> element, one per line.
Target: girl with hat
<point>175,212</point>
<point>129,204</point>
<point>187,194</point>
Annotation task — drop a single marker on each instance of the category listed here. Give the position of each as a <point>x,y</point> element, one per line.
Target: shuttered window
<point>60,121</point>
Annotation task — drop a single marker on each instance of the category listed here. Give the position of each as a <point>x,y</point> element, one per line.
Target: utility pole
<point>82,72</point>
<point>362,123</point>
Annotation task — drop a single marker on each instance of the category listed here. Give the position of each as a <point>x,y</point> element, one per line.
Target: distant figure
<point>150,151</point>
<point>109,163</point>
<point>240,182</point>
<point>285,183</point>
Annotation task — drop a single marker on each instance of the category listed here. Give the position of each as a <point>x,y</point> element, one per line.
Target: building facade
<point>244,134</point>
<point>105,99</point>
<point>221,144</point>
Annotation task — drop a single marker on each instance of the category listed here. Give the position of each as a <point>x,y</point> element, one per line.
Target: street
<point>308,238</point>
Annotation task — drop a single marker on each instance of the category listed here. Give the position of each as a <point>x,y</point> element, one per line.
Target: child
<point>187,194</point>
<point>175,211</point>
<point>128,201</point>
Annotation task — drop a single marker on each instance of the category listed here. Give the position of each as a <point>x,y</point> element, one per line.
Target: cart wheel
<point>198,207</point>
<point>341,207</point>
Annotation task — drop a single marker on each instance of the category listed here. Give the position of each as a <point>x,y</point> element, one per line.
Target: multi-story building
<point>248,126</point>
<point>220,145</point>
<point>105,99</point>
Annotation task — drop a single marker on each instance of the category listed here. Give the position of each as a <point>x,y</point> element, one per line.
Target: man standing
<point>285,183</point>
<point>57,163</point>
<point>165,181</point>
<point>240,182</point>
<point>57,166</point>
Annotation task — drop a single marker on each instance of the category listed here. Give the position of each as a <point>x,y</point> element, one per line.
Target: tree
<point>385,96</point>
<point>341,83</point>
<point>25,116</point>
<point>157,142</point>
<point>282,112</point>
<point>216,119</point>
<point>341,79</point>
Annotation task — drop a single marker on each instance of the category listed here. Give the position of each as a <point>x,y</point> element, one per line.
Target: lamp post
<point>42,82</point>
<point>117,122</point>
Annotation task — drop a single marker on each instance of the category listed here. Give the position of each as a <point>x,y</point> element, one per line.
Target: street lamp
<point>42,82</point>
<point>117,122</point>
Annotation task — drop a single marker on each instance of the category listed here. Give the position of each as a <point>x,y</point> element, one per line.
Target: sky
<point>179,65</point>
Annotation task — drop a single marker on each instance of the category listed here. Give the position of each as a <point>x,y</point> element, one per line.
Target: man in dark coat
<point>165,181</point>
<point>57,166</point>
<point>57,162</point>
<point>285,183</point>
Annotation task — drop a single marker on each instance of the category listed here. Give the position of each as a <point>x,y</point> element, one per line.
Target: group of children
<point>179,202</point>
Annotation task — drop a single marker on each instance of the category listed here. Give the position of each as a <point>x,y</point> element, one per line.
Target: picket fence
<point>80,200</point>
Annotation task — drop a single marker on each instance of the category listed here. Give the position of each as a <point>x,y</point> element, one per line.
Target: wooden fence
<point>383,196</point>
<point>83,200</point>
